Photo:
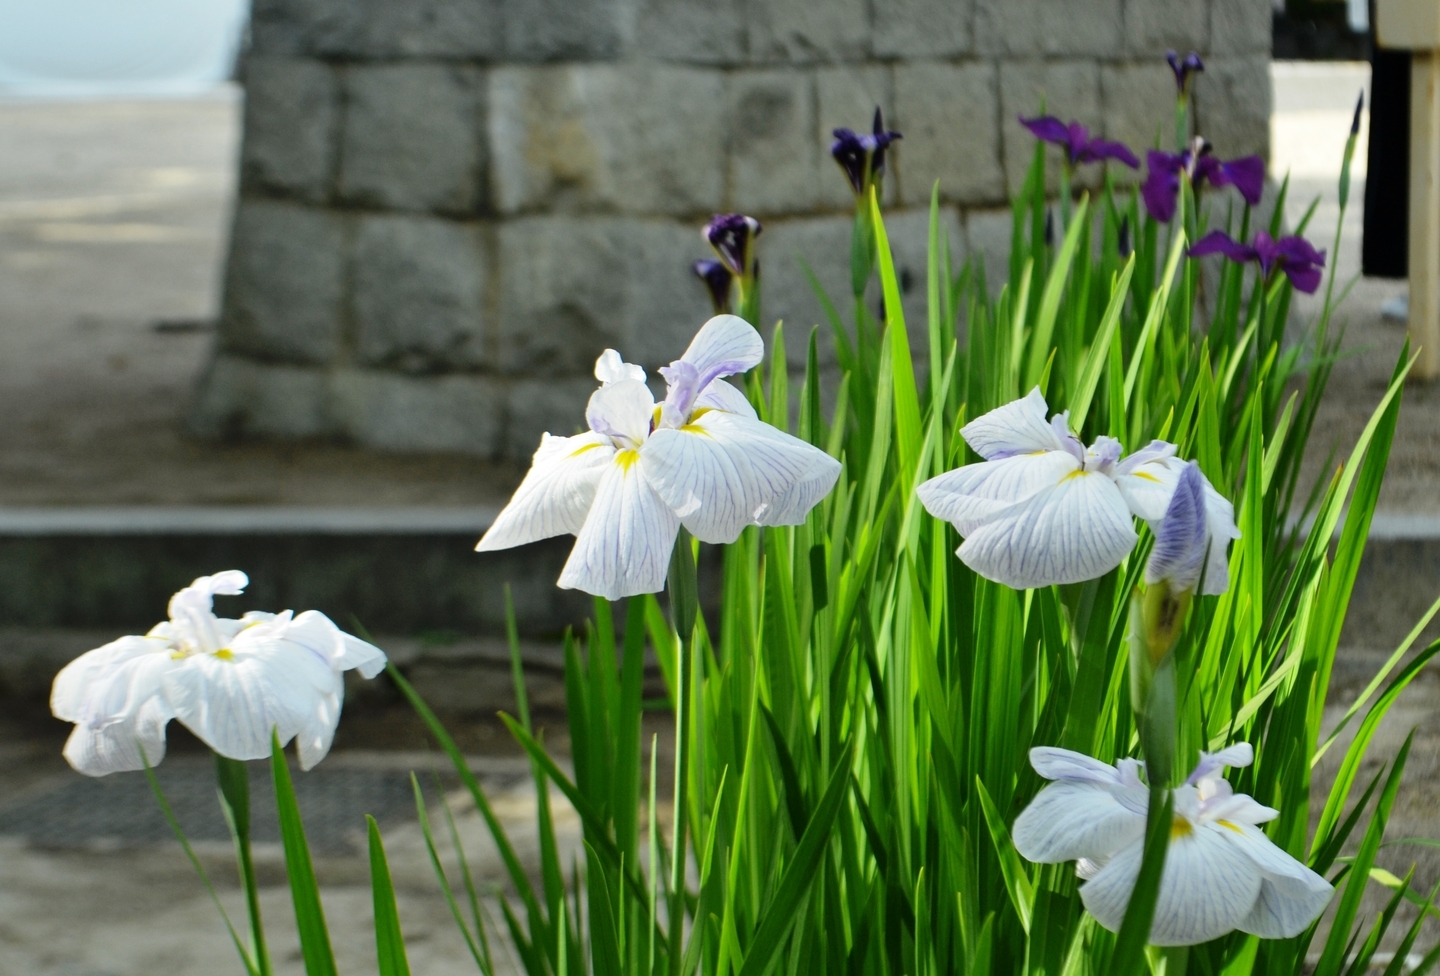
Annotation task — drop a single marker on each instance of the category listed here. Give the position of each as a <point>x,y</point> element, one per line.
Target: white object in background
<point>1357,12</point>
<point>109,48</point>
<point>1396,309</point>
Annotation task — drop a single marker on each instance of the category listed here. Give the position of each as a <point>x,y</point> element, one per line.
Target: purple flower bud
<point>1075,140</point>
<point>1185,69</point>
<point>732,236</point>
<point>862,157</point>
<point>1049,228</point>
<point>1294,256</point>
<point>716,278</point>
<point>1125,246</point>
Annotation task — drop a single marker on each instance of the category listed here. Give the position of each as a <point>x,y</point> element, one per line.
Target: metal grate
<point>120,809</point>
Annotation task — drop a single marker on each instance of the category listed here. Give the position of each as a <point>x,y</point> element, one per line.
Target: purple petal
<point>1181,536</point>
<point>717,279</point>
<point>1246,174</point>
<point>1305,277</point>
<point>1298,249</point>
<point>1219,242</point>
<point>731,236</point>
<point>1048,128</point>
<point>849,151</point>
<point>1160,191</point>
<point>1099,149</point>
<point>1267,251</point>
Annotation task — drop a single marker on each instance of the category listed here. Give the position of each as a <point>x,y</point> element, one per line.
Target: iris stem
<point>684,607</point>
<point>234,780</point>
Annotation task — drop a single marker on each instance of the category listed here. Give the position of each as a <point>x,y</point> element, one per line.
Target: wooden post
<point>1414,25</point>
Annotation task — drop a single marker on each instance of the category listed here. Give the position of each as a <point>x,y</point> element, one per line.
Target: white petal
<point>967,496</point>
<point>1220,520</point>
<point>556,493</point>
<point>1147,487</point>
<point>318,633</point>
<point>721,471</point>
<point>624,547</point>
<point>1076,531</point>
<point>1055,763</point>
<point>1019,427</point>
<point>721,395</point>
<point>623,410</point>
<point>1069,820</point>
<point>610,368</point>
<point>267,685</point>
<point>1207,889</point>
<point>1291,895</point>
<point>793,506</point>
<point>108,681</point>
<point>121,745</point>
<point>725,345</point>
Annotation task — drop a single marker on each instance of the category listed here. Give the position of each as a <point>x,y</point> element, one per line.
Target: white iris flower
<point>1221,872</point>
<point>701,458</point>
<point>1042,508</point>
<point>231,682</point>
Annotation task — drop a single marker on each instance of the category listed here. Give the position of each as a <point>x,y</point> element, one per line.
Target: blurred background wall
<point>448,208</point>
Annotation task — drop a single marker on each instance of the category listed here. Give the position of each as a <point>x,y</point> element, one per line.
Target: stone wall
<point>449,207</point>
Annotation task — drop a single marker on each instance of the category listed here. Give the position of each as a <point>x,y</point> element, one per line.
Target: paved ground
<point>112,221</point>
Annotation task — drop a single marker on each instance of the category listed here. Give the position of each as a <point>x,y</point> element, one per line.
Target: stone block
<point>419,293</point>
<point>536,407</point>
<point>300,27</point>
<point>1154,26</point>
<point>291,117</point>
<point>806,32</point>
<point>284,283</point>
<point>774,155</point>
<point>572,287</point>
<point>1139,102</point>
<point>948,114</point>
<point>923,28</point>
<point>987,236</point>
<point>691,31</point>
<point>847,98</point>
<point>1091,28</point>
<point>363,29</point>
<point>1240,27</point>
<point>413,138</point>
<point>640,138</point>
<point>1066,89</point>
<point>239,397</point>
<point>450,414</point>
<point>563,30</point>
<point>1233,101</point>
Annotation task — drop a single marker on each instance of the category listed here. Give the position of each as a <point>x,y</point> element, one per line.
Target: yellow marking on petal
<point>225,654</point>
<point>627,458</point>
<point>655,417</point>
<point>582,449</point>
<point>1229,826</point>
<point>699,412</point>
<point>1146,476</point>
<point>695,429</point>
<point>1180,827</point>
<point>1078,472</point>
<point>178,655</point>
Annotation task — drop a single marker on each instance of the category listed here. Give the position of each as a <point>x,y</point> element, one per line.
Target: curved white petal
<point>233,704</point>
<point>966,497</point>
<point>624,409</point>
<point>556,493</point>
<point>624,547</point>
<point>720,471</point>
<point>317,633</point>
<point>122,744</point>
<point>1291,895</point>
<point>113,695</point>
<point>1220,520</point>
<point>720,395</point>
<point>1147,487</point>
<point>1055,763</point>
<point>1019,427</point>
<point>1207,889</point>
<point>1069,820</point>
<point>1077,530</point>
<point>610,368</point>
<point>793,506</point>
<point>724,346</point>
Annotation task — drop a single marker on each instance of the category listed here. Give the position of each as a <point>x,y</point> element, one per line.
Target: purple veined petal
<point>1054,763</point>
<point>969,496</point>
<point>1291,895</point>
<point>1182,536</point>
<point>1219,242</point>
<point>1048,128</point>
<point>624,547</point>
<point>1235,756</point>
<point>724,346</point>
<point>1072,819</point>
<point>1097,150</point>
<point>556,494</point>
<point>1018,427</point>
<point>1246,174</point>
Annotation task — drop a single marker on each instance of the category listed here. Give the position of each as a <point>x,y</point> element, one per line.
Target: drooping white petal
<point>724,346</point>
<point>793,506</point>
<point>966,497</point>
<point>1077,530</point>
<point>233,704</point>
<point>624,547</point>
<point>610,368</point>
<point>1237,755</point>
<point>1069,820</point>
<point>556,493</point>
<point>622,410</point>
<point>112,694</point>
<point>1019,427</point>
<point>721,395</point>
<point>720,471</point>
<point>1220,519</point>
<point>1291,895</point>
<point>1055,763</point>
<point>318,633</point>
<point>121,744</point>
<point>1206,890</point>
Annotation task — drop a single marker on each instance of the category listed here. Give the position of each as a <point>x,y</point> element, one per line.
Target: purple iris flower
<point>1076,141</point>
<point>1300,262</point>
<point>1161,188</point>
<point>1184,68</point>
<point>716,278</point>
<point>731,235</point>
<point>862,157</point>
